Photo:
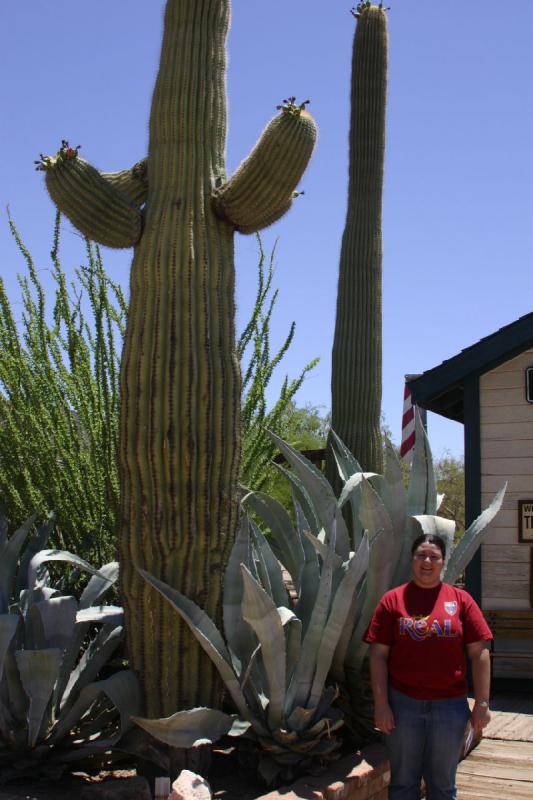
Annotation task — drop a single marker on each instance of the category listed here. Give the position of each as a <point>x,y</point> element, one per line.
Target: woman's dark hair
<point>429,538</point>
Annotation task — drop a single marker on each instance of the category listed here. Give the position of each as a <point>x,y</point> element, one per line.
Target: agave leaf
<point>58,615</point>
<point>352,484</point>
<point>14,697</point>
<point>300,685</point>
<point>99,584</point>
<point>292,626</point>
<point>270,566</point>
<point>56,555</point>
<point>422,492</point>
<point>187,729</point>
<point>93,659</point>
<point>37,542</point>
<point>301,495</point>
<point>347,464</point>
<point>112,615</point>
<point>322,549</point>
<point>331,634</point>
<point>320,492</point>
<point>379,571</point>
<point>329,695</point>
<point>210,640</point>
<point>373,514</point>
<point>38,673</point>
<point>8,627</point>
<point>310,577</point>
<point>239,636</point>
<point>472,537</point>
<point>34,635</point>
<point>300,719</point>
<point>123,691</point>
<point>275,517</point>
<point>260,611</point>
<point>9,557</point>
<point>337,666</point>
<point>394,496</point>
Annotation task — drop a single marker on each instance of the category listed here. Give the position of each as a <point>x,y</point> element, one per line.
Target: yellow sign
<point>525,520</point>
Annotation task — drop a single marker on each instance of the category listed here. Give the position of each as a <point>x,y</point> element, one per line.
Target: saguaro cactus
<point>356,362</point>
<point>180,378</point>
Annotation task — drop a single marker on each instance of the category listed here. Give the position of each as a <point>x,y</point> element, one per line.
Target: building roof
<point>441,389</point>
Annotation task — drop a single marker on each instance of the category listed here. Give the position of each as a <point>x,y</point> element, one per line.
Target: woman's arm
<point>379,673</point>
<point>479,655</point>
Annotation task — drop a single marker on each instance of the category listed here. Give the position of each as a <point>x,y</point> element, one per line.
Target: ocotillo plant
<point>180,379</point>
<point>356,362</point>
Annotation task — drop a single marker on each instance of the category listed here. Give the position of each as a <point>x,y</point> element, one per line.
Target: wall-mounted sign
<point>525,520</point>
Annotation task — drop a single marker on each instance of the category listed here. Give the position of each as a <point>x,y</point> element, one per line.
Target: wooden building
<point>489,388</point>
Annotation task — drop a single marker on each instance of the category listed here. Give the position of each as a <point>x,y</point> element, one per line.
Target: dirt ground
<point>226,779</point>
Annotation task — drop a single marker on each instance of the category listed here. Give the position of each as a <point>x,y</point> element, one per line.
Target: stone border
<point>365,775</point>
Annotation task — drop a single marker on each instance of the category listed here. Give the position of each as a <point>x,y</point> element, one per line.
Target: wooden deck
<point>501,766</point>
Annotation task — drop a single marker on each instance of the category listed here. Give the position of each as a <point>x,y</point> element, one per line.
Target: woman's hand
<point>479,655</point>
<point>479,717</point>
<point>383,718</point>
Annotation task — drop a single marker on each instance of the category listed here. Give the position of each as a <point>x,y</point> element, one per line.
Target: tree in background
<point>450,473</point>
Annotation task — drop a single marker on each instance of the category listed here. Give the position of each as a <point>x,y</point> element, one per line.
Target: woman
<point>418,637</point>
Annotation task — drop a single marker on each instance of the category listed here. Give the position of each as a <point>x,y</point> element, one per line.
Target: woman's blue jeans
<point>425,742</point>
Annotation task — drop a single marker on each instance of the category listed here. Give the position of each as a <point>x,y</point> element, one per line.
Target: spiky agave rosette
<point>276,658</point>
<point>54,713</point>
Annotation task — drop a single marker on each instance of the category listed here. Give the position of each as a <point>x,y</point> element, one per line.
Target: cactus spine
<point>180,377</point>
<point>356,361</point>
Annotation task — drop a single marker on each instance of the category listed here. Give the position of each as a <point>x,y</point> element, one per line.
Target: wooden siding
<point>506,420</point>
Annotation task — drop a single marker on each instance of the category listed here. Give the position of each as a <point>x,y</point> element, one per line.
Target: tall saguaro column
<point>180,378</point>
<point>357,347</point>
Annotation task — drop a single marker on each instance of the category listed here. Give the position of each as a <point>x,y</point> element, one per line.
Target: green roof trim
<point>441,389</point>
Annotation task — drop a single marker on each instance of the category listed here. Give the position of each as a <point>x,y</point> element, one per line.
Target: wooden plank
<point>507,466</point>
<point>505,518</point>
<point>509,396</point>
<point>502,380</point>
<point>505,571</point>
<point>509,623</point>
<point>495,448</point>
<point>478,787</point>
<point>495,552</point>
<point>489,602</point>
<point>517,483</point>
<point>506,431</point>
<point>495,768</point>
<point>512,589</point>
<point>501,536</point>
<point>517,728</point>
<point>507,413</point>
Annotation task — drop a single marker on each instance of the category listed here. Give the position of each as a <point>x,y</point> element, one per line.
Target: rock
<point>189,786</point>
<point>130,789</point>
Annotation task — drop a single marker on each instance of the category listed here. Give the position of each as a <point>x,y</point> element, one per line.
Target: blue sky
<point>458,202</point>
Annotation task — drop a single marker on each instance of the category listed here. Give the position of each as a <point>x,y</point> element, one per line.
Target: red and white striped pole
<point>408,427</point>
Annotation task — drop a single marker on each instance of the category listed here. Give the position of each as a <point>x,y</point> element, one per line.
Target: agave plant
<point>277,655</point>
<point>377,504</point>
<point>53,711</point>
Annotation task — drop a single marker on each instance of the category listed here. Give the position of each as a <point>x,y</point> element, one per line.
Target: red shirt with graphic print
<point>427,630</point>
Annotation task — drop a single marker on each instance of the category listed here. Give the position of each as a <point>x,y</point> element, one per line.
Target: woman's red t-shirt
<point>427,630</point>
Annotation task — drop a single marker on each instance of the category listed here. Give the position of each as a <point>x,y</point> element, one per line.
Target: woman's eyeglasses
<point>423,557</point>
